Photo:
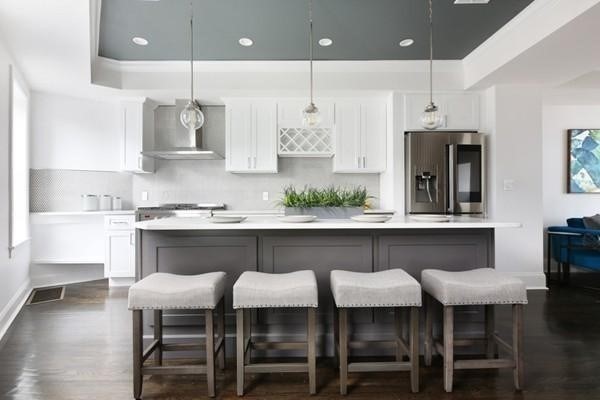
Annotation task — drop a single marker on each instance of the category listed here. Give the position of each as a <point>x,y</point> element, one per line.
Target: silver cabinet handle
<point>249,163</point>
<point>140,160</point>
<point>364,162</point>
<point>254,163</point>
<point>131,239</point>
<point>358,162</point>
<point>119,222</point>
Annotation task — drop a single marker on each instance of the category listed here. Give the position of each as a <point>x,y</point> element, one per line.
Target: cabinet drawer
<point>119,222</point>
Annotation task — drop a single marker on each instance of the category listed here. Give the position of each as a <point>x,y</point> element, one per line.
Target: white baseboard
<point>12,308</point>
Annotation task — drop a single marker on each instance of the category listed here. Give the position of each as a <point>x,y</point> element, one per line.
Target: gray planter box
<point>325,212</point>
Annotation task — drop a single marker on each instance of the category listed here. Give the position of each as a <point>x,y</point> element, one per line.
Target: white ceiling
<point>50,41</point>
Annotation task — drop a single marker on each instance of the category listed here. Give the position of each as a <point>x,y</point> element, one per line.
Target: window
<point>18,162</point>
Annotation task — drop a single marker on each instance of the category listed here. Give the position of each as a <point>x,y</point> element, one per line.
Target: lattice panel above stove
<point>303,142</point>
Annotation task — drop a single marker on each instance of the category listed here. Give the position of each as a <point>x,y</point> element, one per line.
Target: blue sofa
<point>588,258</point>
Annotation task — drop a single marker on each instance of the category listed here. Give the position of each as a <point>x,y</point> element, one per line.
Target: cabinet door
<point>120,254</point>
<point>238,137</point>
<point>461,111</point>
<point>373,136</point>
<point>134,120</point>
<point>347,137</point>
<point>264,134</point>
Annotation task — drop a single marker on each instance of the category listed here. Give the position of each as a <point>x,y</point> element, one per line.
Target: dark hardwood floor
<point>80,348</point>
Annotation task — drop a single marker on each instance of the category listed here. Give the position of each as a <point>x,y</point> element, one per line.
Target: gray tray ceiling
<point>360,29</point>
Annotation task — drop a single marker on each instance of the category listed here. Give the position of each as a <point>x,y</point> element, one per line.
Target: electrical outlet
<point>144,196</point>
<point>265,196</point>
<point>509,185</point>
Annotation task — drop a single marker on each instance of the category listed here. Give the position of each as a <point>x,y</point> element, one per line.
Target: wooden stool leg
<point>414,349</point>
<point>336,335</point>
<point>239,343</point>
<point>247,335</point>
<point>517,346</point>
<point>448,347</point>
<point>221,334</point>
<point>210,352</point>
<point>138,349</point>
<point>398,331</point>
<point>311,345</point>
<point>428,347</point>
<point>343,317</point>
<point>490,343</point>
<point>158,353</point>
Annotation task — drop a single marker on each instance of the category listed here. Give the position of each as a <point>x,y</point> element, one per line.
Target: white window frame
<point>18,216</point>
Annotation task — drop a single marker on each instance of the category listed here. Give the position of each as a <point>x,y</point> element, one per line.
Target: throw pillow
<point>592,222</point>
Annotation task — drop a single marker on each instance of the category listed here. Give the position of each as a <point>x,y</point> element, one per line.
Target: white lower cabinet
<point>119,257</point>
<point>360,136</point>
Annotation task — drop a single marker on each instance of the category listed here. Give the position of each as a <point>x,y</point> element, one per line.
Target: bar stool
<point>391,288</point>
<point>483,286</point>
<point>263,290</point>
<point>161,291</point>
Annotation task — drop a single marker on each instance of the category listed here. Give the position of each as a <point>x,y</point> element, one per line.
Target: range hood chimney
<point>185,144</point>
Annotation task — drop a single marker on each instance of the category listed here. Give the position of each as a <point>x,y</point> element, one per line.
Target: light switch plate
<point>265,196</point>
<point>509,185</point>
<point>144,196</point>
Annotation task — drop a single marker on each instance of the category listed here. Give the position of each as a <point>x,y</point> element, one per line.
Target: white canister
<point>89,202</point>
<point>117,203</point>
<point>105,202</point>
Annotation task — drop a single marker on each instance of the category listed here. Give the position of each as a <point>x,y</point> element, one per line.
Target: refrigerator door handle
<point>451,177</point>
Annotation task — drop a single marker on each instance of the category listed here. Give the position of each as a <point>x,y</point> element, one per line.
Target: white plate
<point>431,218</point>
<point>371,218</point>
<point>298,218</point>
<point>226,219</point>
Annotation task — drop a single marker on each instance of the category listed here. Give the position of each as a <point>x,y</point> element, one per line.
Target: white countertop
<point>76,213</point>
<point>272,223</point>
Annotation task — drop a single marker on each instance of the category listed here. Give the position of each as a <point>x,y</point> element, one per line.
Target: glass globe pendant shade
<point>431,117</point>
<point>311,116</point>
<point>191,117</point>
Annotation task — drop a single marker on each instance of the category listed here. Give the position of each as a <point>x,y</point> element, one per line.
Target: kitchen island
<point>195,245</point>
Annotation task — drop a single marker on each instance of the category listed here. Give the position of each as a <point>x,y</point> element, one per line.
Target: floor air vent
<point>46,295</point>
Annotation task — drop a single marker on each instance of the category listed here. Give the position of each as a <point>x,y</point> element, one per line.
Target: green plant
<point>330,196</point>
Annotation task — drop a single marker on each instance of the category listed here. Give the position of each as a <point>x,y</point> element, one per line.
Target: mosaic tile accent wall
<point>61,190</point>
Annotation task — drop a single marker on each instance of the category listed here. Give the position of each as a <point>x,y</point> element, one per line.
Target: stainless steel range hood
<point>183,144</point>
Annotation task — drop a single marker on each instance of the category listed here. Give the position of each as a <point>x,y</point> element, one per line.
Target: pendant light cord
<point>192,51</point>
<point>310,21</point>
<point>430,52</point>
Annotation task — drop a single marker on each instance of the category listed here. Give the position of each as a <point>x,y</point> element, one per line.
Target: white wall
<point>14,272</point>
<point>514,123</point>
<point>75,133</point>
<point>558,204</point>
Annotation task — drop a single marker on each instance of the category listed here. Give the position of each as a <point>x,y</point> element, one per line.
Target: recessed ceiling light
<point>246,42</point>
<point>324,42</point>
<point>406,42</point>
<point>140,41</point>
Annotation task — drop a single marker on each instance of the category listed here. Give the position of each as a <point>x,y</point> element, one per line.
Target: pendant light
<point>431,118</point>
<point>311,116</point>
<point>191,117</point>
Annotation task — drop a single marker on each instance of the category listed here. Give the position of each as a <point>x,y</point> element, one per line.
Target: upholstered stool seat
<point>477,286</point>
<point>484,286</point>
<point>161,291</point>
<point>390,288</point>
<point>263,290</point>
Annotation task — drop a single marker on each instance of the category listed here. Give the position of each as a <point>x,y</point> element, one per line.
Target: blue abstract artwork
<point>584,161</point>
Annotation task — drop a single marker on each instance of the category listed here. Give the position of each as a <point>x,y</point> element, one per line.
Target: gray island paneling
<point>238,249</point>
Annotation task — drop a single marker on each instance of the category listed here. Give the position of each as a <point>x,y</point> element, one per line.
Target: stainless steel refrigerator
<point>445,172</point>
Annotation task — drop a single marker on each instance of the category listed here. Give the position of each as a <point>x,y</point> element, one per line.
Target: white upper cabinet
<point>137,135</point>
<point>460,111</point>
<point>360,136</point>
<point>251,136</point>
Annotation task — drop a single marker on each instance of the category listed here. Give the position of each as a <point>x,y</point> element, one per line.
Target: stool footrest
<point>279,345</point>
<point>262,368</point>
<point>382,366</point>
<point>484,363</point>
<point>175,370</point>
